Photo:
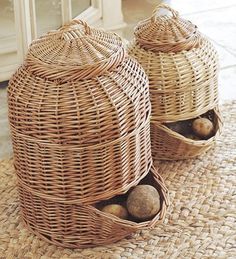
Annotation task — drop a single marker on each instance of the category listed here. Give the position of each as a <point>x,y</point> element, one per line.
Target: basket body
<point>50,156</point>
<point>79,112</point>
<point>183,85</point>
<point>182,66</point>
<point>80,226</point>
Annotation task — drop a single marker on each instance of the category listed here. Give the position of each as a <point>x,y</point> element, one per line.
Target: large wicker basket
<point>182,66</point>
<point>79,113</point>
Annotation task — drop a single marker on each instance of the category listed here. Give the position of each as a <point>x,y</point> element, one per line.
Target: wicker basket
<point>79,226</point>
<point>79,113</point>
<point>182,66</point>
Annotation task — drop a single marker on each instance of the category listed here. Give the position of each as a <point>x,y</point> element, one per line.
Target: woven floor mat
<point>200,223</point>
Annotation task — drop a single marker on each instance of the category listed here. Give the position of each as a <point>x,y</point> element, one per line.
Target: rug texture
<point>200,223</point>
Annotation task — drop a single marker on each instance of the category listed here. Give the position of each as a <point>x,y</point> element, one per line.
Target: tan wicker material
<point>183,85</point>
<point>170,145</point>
<point>79,113</point>
<point>78,226</point>
<point>160,33</point>
<point>182,66</point>
<point>75,54</point>
<point>200,222</point>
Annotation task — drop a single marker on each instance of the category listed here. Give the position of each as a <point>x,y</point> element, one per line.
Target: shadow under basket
<point>170,145</point>
<point>81,226</point>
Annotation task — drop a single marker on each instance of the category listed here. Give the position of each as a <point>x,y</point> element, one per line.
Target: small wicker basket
<point>80,226</point>
<point>182,66</point>
<point>79,112</point>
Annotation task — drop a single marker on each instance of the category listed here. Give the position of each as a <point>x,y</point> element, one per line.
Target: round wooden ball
<point>143,202</point>
<point>202,127</point>
<point>116,210</point>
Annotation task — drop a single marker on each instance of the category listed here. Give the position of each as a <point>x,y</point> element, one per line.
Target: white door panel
<point>79,6</point>
<point>21,21</point>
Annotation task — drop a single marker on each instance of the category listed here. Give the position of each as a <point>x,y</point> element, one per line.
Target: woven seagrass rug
<point>200,223</point>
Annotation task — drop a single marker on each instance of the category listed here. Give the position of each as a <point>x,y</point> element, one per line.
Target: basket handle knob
<point>163,6</point>
<point>67,26</point>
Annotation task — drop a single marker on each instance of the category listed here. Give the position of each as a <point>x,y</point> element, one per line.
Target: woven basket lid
<point>167,33</point>
<point>75,51</point>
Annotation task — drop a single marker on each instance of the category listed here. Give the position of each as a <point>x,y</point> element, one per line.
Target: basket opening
<point>121,199</point>
<point>184,127</point>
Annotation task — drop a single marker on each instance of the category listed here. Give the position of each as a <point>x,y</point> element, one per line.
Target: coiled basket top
<point>167,33</point>
<point>75,52</point>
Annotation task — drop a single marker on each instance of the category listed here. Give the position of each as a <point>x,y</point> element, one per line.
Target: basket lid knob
<point>76,51</point>
<point>167,33</point>
<point>68,27</point>
<point>155,12</point>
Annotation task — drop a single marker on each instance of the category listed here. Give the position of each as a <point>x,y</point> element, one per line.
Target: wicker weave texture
<point>75,52</point>
<point>87,112</point>
<point>182,66</point>
<point>170,145</point>
<point>72,175</point>
<point>182,85</point>
<point>79,140</point>
<point>165,34</point>
<point>78,226</point>
<point>79,111</point>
